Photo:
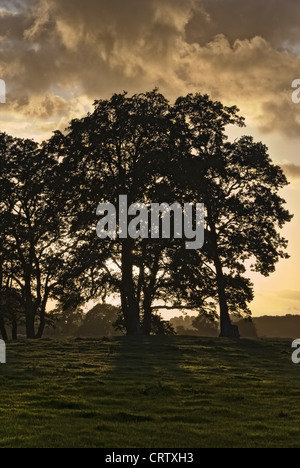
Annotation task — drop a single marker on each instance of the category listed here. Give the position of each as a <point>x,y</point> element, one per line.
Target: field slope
<point>177,392</point>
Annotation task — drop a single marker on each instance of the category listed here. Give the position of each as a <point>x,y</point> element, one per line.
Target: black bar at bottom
<point>140,457</point>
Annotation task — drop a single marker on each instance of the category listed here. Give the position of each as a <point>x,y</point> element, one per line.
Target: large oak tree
<point>153,152</point>
<point>144,148</point>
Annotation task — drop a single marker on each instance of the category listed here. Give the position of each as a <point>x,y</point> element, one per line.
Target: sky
<point>58,56</point>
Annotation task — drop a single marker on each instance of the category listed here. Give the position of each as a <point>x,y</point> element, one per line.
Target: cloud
<point>294,310</point>
<point>292,170</point>
<point>289,294</point>
<point>276,21</point>
<point>56,56</point>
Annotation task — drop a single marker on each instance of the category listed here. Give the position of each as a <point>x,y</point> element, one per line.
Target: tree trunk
<point>227,330</point>
<point>14,331</point>
<point>42,325</point>
<point>42,317</point>
<point>30,331</point>
<point>149,294</point>
<point>147,325</point>
<point>3,329</point>
<point>130,305</point>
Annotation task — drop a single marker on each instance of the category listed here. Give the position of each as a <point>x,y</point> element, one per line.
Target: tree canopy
<point>153,152</point>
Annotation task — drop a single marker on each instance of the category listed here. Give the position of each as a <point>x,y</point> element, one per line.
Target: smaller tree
<point>11,313</point>
<point>159,326</point>
<point>64,322</point>
<point>205,327</point>
<point>34,244</point>
<point>99,321</point>
<point>239,186</point>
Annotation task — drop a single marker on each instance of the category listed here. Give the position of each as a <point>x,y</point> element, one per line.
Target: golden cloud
<point>57,55</point>
<point>291,170</point>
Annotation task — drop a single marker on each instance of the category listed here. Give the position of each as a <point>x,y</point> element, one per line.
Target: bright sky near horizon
<point>58,56</point>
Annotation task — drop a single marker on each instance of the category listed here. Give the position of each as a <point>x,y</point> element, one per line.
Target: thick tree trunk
<point>14,329</point>
<point>30,329</point>
<point>227,330</point>
<point>130,305</point>
<point>3,329</point>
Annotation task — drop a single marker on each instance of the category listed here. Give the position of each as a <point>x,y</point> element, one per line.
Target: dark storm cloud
<point>277,21</point>
<point>55,55</point>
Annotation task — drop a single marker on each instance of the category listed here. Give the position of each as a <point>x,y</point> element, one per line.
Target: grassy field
<point>177,392</point>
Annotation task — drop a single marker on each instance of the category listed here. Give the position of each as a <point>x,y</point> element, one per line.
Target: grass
<point>177,392</point>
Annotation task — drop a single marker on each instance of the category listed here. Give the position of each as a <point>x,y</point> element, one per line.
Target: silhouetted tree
<point>159,326</point>
<point>119,149</point>
<point>11,311</point>
<point>144,148</point>
<point>239,185</point>
<point>99,321</point>
<point>33,242</point>
<point>67,317</point>
<point>205,327</point>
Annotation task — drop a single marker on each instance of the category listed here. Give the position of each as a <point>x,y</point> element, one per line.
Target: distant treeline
<point>287,326</point>
<point>103,320</point>
<point>106,320</point>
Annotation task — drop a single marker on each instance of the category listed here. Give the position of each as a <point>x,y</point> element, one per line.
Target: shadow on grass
<point>151,392</point>
<point>216,390</point>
